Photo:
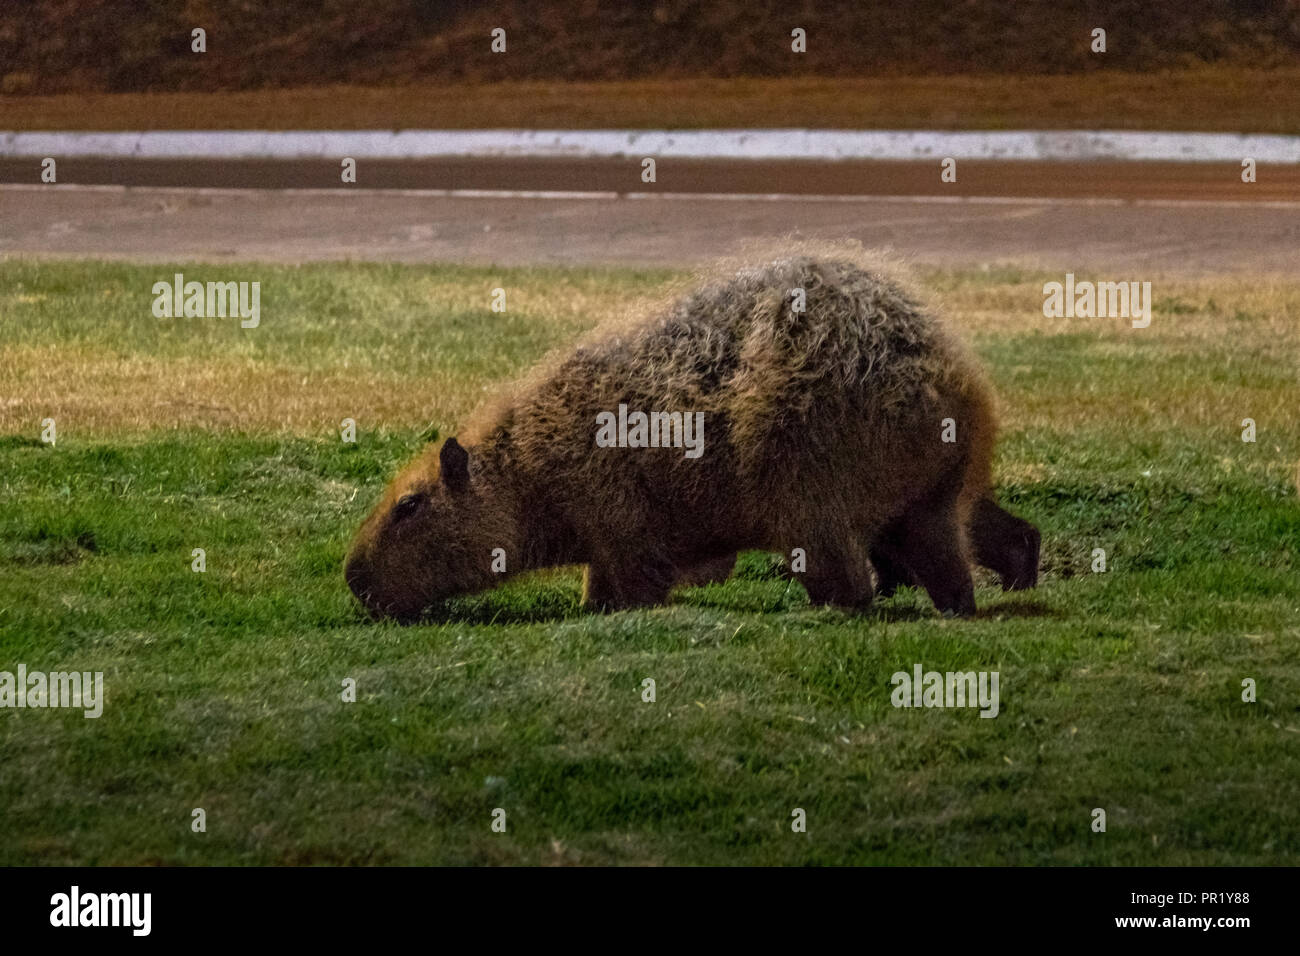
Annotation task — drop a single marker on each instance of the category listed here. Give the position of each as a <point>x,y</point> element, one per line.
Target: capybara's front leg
<point>1007,544</point>
<point>613,584</point>
<point>839,575</point>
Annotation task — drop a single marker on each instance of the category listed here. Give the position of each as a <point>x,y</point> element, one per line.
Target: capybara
<point>833,414</point>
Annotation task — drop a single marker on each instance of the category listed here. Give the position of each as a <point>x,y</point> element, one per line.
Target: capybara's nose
<point>356,571</point>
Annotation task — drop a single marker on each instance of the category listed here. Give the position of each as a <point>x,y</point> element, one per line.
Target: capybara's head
<point>431,537</point>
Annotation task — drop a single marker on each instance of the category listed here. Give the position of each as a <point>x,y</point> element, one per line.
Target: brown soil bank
<point>1209,99</point>
<point>52,46</point>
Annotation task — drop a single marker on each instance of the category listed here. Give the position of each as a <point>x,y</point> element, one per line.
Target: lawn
<point>1120,690</point>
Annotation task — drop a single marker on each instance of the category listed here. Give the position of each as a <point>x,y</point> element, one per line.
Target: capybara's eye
<point>406,505</point>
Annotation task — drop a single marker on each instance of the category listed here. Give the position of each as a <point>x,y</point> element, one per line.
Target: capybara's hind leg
<point>1006,544</point>
<point>927,541</point>
<point>710,571</point>
<point>838,574</point>
<point>615,583</point>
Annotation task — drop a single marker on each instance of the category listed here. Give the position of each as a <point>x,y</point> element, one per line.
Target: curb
<point>692,144</point>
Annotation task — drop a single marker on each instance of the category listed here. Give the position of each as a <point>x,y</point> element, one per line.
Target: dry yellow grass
<point>1209,358</point>
<point>424,347</point>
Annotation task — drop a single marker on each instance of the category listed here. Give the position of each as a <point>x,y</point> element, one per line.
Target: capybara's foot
<point>890,575</point>
<point>926,542</point>
<point>961,603</point>
<point>839,594</point>
<point>1006,544</point>
<point>711,571</point>
<point>616,588</point>
<point>839,576</point>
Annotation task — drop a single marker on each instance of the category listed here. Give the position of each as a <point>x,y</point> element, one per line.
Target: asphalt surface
<point>1165,216</point>
<point>1123,180</point>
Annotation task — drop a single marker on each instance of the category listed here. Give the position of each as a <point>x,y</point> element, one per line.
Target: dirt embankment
<point>57,46</point>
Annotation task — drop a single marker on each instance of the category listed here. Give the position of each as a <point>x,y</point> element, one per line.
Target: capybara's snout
<point>360,575</point>
<point>357,572</point>
<point>367,584</point>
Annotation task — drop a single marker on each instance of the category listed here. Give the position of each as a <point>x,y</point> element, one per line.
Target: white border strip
<point>611,196</point>
<point>693,144</point>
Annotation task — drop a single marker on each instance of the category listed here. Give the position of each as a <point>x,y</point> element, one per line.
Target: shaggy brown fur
<point>822,432</point>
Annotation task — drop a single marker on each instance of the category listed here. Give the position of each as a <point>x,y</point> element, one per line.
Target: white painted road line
<point>694,144</point>
<point>609,195</point>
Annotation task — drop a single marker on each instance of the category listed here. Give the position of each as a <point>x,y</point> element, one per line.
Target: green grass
<point>1119,690</point>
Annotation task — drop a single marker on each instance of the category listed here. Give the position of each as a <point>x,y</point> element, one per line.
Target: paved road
<point>1123,180</point>
<point>1155,216</point>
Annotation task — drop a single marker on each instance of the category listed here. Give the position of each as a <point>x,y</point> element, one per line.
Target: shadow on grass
<point>539,603</point>
<point>507,605</point>
<point>21,441</point>
<point>1017,607</point>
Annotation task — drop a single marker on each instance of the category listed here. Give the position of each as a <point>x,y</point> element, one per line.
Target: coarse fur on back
<point>842,420</point>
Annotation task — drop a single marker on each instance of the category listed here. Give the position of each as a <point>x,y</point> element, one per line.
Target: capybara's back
<point>806,406</point>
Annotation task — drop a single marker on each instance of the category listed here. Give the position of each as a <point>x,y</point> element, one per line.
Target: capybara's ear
<point>454,465</point>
